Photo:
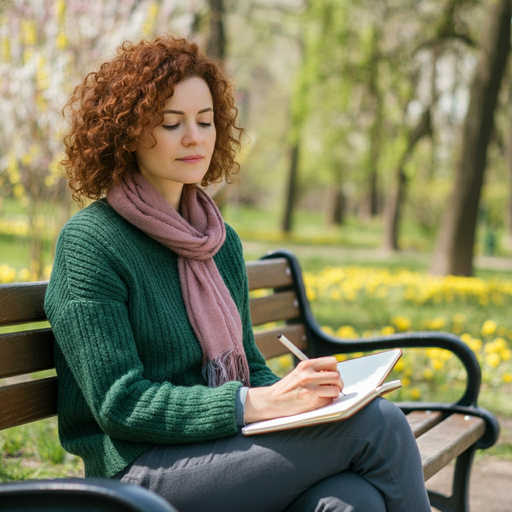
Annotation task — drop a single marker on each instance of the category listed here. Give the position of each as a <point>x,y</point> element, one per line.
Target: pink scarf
<point>195,237</point>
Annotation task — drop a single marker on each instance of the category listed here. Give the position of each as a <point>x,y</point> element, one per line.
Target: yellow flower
<point>24,274</point>
<point>489,328</point>
<point>428,373</point>
<point>466,337</point>
<point>47,271</point>
<point>7,274</point>
<point>285,361</point>
<point>415,394</point>
<point>405,381</point>
<point>444,355</point>
<point>475,345</point>
<point>437,364</point>
<point>387,330</point>
<point>432,353</point>
<point>507,377</point>
<point>340,357</point>
<point>506,354</point>
<point>500,343</point>
<point>437,324</point>
<point>493,360</point>
<point>401,323</point>
<point>346,331</point>
<point>495,346</point>
<point>399,366</point>
<point>18,190</point>
<point>327,329</point>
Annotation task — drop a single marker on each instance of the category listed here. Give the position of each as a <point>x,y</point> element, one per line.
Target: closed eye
<point>170,126</point>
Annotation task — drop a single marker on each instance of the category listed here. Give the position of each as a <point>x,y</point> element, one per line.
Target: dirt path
<point>257,249</point>
<point>491,477</point>
<point>490,487</point>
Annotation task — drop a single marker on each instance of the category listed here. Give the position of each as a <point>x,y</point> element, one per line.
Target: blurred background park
<point>377,146</point>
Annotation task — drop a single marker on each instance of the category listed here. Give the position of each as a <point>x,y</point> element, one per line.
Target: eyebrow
<point>179,112</point>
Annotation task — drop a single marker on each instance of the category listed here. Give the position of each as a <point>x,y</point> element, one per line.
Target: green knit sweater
<point>127,359</point>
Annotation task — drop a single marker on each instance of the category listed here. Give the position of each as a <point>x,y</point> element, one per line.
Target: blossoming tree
<point>46,48</point>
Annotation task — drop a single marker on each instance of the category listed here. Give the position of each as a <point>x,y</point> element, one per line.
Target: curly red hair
<point>112,107</point>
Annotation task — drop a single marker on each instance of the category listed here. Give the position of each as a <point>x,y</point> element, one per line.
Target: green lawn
<point>33,451</point>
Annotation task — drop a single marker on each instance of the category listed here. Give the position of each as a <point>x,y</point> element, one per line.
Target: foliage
<point>47,47</point>
<point>34,451</point>
<point>401,300</point>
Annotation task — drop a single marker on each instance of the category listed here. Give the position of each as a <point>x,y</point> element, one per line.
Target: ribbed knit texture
<point>128,361</point>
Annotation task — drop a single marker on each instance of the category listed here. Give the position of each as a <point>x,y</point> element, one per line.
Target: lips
<point>191,159</point>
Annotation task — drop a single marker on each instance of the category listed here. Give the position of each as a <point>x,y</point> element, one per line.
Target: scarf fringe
<point>226,367</point>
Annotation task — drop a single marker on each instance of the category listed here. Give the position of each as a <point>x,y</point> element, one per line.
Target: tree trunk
<point>454,250</point>
<point>397,196</point>
<point>216,44</point>
<point>370,206</point>
<point>394,209</point>
<point>337,207</point>
<point>508,149</point>
<point>291,188</point>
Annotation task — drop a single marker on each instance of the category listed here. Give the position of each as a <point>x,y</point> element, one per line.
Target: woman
<point>148,301</point>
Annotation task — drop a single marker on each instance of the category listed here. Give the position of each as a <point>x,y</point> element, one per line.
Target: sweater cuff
<point>241,395</point>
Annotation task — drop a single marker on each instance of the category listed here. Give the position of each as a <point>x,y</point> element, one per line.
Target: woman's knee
<point>343,492</point>
<point>384,413</point>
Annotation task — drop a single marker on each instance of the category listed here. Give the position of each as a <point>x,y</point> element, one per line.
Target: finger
<point>324,363</point>
<point>327,378</point>
<point>328,392</point>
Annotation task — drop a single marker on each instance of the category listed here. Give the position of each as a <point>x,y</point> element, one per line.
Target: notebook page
<point>361,377</point>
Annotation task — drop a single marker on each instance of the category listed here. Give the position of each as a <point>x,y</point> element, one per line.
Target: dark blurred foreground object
<point>76,495</point>
<point>444,431</point>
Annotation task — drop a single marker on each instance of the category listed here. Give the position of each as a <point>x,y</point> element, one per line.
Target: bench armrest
<point>321,344</point>
<point>77,494</point>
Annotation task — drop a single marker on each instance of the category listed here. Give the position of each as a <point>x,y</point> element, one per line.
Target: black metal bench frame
<point>279,271</point>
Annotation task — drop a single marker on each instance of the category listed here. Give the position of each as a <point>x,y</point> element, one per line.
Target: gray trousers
<point>369,462</point>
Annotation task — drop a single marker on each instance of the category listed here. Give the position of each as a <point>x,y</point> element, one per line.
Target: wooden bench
<point>444,432</point>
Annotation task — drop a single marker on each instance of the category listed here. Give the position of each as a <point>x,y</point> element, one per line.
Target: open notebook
<point>364,380</point>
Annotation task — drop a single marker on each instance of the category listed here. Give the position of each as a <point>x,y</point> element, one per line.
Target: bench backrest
<point>23,399</point>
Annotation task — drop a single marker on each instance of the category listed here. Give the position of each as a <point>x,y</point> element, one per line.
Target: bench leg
<point>459,500</point>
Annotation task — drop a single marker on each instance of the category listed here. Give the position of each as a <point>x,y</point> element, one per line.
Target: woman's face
<point>184,141</point>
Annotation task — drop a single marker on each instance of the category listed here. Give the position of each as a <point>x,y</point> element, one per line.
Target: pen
<point>294,350</point>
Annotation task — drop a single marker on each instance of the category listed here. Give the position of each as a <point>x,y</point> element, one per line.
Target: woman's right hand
<point>312,384</point>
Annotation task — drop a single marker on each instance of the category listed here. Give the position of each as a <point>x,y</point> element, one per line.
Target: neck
<point>172,195</point>
<point>170,190</point>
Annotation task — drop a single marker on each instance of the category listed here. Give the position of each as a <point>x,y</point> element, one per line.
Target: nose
<point>192,135</point>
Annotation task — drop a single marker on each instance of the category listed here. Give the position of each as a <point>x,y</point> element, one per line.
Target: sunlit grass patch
<point>34,451</point>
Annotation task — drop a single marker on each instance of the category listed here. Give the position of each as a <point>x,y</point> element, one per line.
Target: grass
<point>310,228</point>
<point>34,451</point>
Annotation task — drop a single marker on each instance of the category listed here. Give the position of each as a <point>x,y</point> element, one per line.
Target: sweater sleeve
<point>92,327</point>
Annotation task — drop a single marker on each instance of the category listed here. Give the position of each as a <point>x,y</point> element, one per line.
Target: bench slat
<point>269,274</point>
<point>273,308</point>
<point>22,303</point>
<point>421,421</point>
<point>28,401</point>
<point>26,352</point>
<point>271,347</point>
<point>447,440</point>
